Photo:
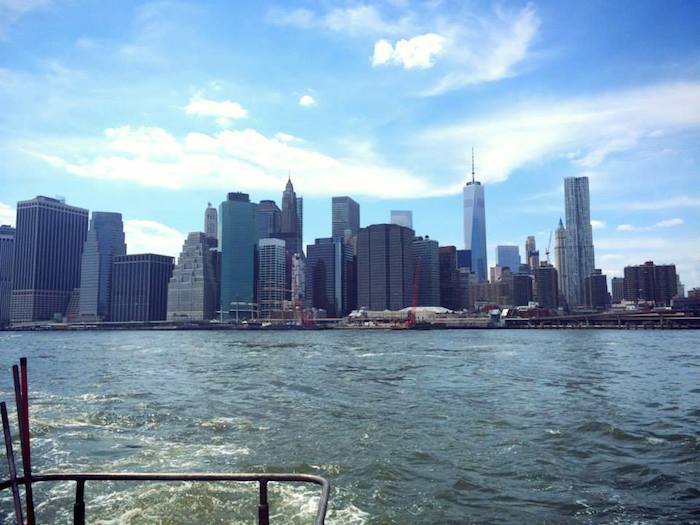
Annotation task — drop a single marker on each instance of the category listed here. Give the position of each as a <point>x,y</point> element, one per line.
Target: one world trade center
<point>475,226</point>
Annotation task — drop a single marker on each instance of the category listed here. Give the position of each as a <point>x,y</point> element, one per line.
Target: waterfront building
<point>596,290</point>
<point>560,260</point>
<point>140,287</point>
<point>193,290</point>
<point>385,263</point>
<point>402,218</point>
<point>298,280</point>
<point>546,290</point>
<point>532,255</point>
<point>522,289</point>
<point>292,211</point>
<point>105,240</point>
<point>238,237</point>
<point>269,218</point>
<point>489,294</point>
<point>652,283</point>
<point>475,226</point>
<point>211,222</point>
<point>450,296</point>
<point>508,256</point>
<point>618,289</point>
<point>330,276</point>
<point>345,217</point>
<point>7,254</point>
<point>272,278</point>
<point>580,260</point>
<point>427,254</point>
<point>464,259</point>
<point>48,249</point>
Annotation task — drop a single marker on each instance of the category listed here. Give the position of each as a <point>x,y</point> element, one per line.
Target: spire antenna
<point>472,164</point>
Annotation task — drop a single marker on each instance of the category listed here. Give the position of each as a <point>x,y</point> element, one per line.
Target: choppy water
<point>430,427</point>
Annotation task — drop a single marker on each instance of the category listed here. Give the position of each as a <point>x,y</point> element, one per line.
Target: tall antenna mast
<point>472,164</point>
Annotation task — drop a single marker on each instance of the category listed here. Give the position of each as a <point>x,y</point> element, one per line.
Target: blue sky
<point>154,108</point>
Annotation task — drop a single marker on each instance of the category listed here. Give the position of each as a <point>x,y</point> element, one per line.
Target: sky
<point>153,109</point>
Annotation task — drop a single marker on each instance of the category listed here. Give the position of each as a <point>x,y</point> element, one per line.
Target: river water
<point>419,427</point>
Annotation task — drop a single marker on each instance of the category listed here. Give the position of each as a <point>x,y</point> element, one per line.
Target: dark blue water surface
<point>431,427</point>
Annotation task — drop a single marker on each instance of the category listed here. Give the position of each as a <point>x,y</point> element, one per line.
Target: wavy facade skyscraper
<point>475,226</point>
<point>580,259</point>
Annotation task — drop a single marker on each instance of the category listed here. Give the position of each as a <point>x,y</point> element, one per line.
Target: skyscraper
<point>140,287</point>
<point>595,290</point>
<point>427,251</point>
<point>580,260</point>
<point>329,276</point>
<point>210,222</point>
<point>651,282</point>
<point>272,277</point>
<point>238,237</point>
<point>546,288</point>
<point>402,218</point>
<point>450,296</point>
<point>300,222</point>
<point>560,260</point>
<point>193,290</point>
<point>385,263</point>
<point>475,226</point>
<point>7,253</point>
<point>532,255</point>
<point>48,249</point>
<point>269,219</point>
<point>345,216</point>
<point>291,219</point>
<point>618,289</point>
<point>508,256</point>
<point>105,240</point>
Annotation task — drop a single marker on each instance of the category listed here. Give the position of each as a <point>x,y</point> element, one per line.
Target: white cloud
<point>358,20</point>
<point>667,223</point>
<point>143,236</point>
<point>244,159</point>
<point>540,130</point>
<point>224,111</point>
<point>7,214</point>
<point>307,101</point>
<point>681,201</point>
<point>598,225</point>
<point>418,52</point>
<point>285,137</point>
<point>13,10</point>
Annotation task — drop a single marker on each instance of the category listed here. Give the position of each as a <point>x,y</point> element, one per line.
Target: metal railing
<point>81,478</point>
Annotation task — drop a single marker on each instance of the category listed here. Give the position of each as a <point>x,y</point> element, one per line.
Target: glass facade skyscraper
<point>508,256</point>
<point>272,277</point>
<point>238,237</point>
<point>345,215</point>
<point>402,218</point>
<point>330,276</point>
<point>105,240</point>
<point>580,259</point>
<point>427,251</point>
<point>140,287</point>
<point>475,228</point>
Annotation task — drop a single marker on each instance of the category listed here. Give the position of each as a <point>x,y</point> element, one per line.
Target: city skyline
<point>132,112</point>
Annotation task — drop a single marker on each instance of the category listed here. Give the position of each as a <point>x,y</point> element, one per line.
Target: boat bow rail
<point>81,478</point>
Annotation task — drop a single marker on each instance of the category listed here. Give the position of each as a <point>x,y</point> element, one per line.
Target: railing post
<point>263,509</point>
<point>79,507</point>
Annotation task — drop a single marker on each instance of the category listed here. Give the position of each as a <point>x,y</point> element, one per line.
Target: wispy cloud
<point>418,52</point>
<point>145,236</point>
<point>680,201</point>
<point>667,223</point>
<point>598,225</point>
<point>246,159</point>
<point>577,129</point>
<point>224,111</point>
<point>12,10</point>
<point>7,214</point>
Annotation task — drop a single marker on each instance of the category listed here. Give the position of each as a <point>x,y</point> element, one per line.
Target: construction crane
<point>549,245</point>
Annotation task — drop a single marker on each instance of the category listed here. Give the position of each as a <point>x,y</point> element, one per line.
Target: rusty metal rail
<point>81,478</point>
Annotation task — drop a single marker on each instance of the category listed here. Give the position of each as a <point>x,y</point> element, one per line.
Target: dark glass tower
<point>345,216</point>
<point>140,287</point>
<point>427,251</point>
<point>7,253</point>
<point>385,264</point>
<point>330,276</point>
<point>48,250</point>
<point>105,240</point>
<point>269,219</point>
<point>475,226</point>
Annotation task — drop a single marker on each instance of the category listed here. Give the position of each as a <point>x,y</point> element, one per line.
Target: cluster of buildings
<point>62,264</point>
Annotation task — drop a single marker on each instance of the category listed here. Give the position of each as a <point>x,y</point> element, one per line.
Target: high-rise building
<point>105,240</point>
<point>650,282</point>
<point>475,226</point>
<point>140,287</point>
<point>330,276</point>
<point>522,289</point>
<point>532,255</point>
<point>48,250</point>
<point>464,259</point>
<point>269,219</point>
<point>680,287</point>
<point>385,263</point>
<point>298,288</point>
<point>238,237</point>
<point>7,254</point>
<point>426,252</point>
<point>211,224</point>
<point>580,260</point>
<point>345,216</point>
<point>272,277</point>
<point>508,256</point>
<point>450,296</point>
<point>402,218</point>
<point>618,289</point>
<point>560,259</point>
<point>546,290</point>
<point>291,220</point>
<point>596,290</point>
<point>193,290</point>
<point>300,221</point>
